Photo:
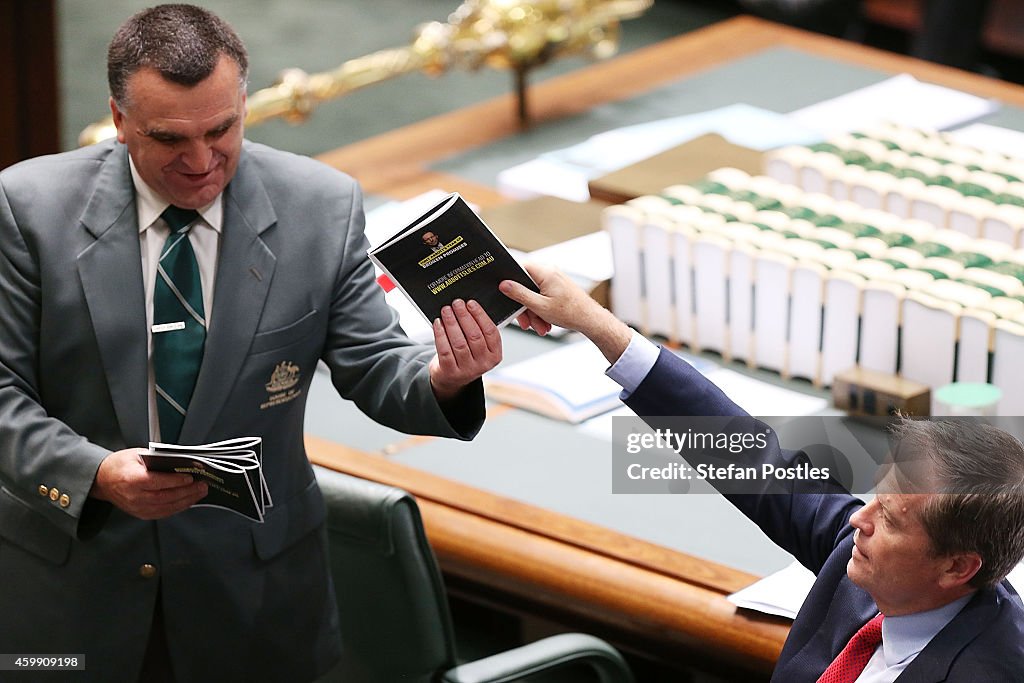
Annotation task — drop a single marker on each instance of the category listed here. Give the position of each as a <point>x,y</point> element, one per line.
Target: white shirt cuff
<point>633,365</point>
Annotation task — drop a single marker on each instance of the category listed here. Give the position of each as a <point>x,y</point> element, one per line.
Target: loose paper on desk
<point>781,593</point>
<point>587,258</point>
<point>567,383</point>
<point>565,172</point>
<point>740,124</point>
<point>755,396</point>
<point>1002,141</point>
<point>901,99</point>
<point>760,398</point>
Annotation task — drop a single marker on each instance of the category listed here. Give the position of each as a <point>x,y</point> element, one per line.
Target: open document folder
<point>566,384</point>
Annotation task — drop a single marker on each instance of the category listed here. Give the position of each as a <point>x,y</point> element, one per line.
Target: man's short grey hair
<point>184,43</point>
<point>977,504</point>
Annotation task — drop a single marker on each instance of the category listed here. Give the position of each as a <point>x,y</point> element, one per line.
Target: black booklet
<point>232,470</point>
<point>448,253</point>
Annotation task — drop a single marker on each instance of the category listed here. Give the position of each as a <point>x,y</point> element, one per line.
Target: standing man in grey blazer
<point>100,557</point>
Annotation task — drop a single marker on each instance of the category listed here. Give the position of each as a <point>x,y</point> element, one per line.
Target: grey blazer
<point>242,601</point>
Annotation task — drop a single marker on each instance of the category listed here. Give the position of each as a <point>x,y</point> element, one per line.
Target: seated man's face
<point>892,555</point>
<point>430,239</point>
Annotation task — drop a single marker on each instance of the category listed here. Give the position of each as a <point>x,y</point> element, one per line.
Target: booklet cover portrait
<point>447,254</point>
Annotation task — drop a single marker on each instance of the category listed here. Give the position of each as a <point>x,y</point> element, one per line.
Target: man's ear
<point>960,569</point>
<point>118,120</point>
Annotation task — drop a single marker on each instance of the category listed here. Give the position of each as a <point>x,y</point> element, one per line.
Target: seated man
<point>909,586</point>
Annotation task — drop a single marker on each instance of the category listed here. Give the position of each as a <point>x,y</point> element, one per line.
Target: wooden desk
<point>397,163</point>
<point>659,602</point>
<point>653,599</point>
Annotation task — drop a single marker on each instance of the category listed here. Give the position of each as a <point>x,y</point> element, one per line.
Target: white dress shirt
<point>904,637</point>
<point>153,231</point>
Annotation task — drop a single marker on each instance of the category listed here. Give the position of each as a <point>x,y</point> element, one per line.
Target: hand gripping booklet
<point>448,253</point>
<point>232,470</point>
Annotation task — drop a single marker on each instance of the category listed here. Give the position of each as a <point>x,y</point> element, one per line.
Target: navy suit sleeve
<point>806,518</point>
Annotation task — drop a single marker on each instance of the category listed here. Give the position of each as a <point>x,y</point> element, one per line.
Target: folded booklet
<point>232,470</point>
<point>449,253</point>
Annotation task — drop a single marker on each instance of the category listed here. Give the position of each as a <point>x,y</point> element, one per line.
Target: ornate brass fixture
<point>503,34</point>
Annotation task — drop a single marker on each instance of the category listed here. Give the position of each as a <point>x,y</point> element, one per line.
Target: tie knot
<point>178,218</point>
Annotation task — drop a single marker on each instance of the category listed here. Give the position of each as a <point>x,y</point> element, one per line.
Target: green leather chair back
<point>395,621</point>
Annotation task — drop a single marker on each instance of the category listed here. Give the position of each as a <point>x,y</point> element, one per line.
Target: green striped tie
<point>179,323</point>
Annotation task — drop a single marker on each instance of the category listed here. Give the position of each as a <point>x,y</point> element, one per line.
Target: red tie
<point>851,661</point>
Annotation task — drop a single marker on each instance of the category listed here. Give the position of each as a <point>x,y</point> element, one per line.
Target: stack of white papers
<point>901,99</point>
<point>780,593</point>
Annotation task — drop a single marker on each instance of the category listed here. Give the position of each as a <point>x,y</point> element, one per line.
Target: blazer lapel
<point>244,271</point>
<point>110,270</point>
<point>932,664</point>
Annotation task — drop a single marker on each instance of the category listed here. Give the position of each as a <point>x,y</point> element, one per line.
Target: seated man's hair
<point>978,498</point>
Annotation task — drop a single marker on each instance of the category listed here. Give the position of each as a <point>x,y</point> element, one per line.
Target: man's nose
<point>197,157</point>
<point>862,519</point>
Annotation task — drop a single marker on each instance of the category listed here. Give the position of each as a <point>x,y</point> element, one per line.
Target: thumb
<point>518,293</point>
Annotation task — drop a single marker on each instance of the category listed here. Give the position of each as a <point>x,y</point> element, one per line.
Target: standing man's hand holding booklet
<point>232,470</point>
<point>447,254</point>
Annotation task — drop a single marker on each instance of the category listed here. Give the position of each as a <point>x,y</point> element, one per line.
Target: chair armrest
<point>543,655</point>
